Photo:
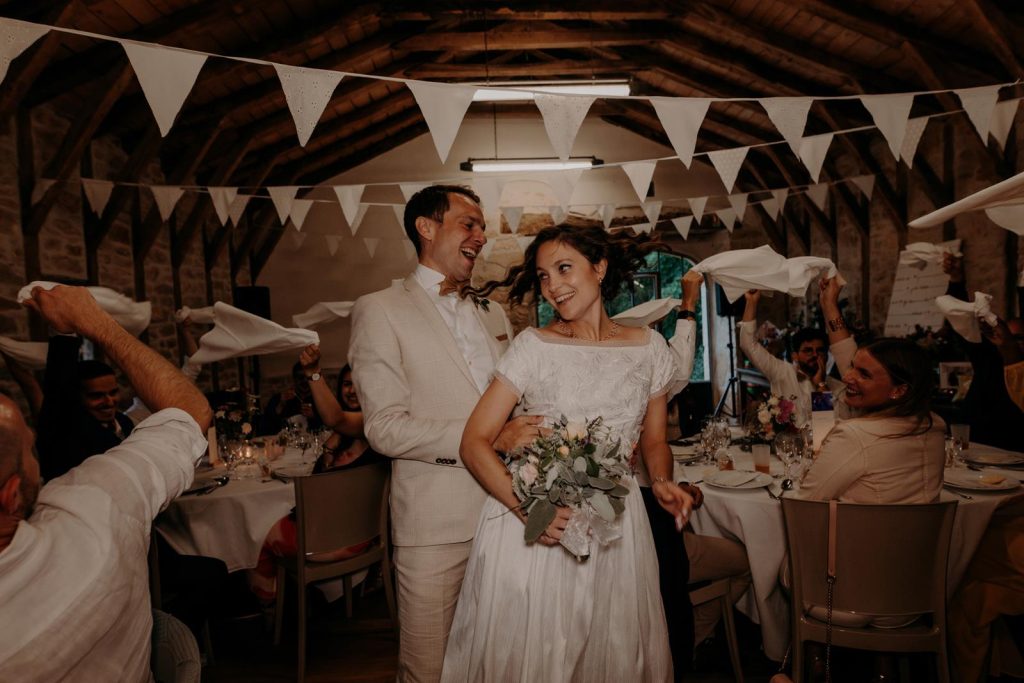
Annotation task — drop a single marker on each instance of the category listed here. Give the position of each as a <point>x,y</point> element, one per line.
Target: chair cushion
<point>858,620</point>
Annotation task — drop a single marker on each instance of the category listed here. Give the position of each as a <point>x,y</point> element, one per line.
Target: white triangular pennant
<point>728,218</point>
<point>348,197</point>
<point>789,115</point>
<point>607,214</point>
<point>738,202</point>
<point>409,189</point>
<point>812,152</point>
<point>238,208</point>
<point>15,38</point>
<point>1003,115</point>
<point>371,245</point>
<point>222,198</point>
<point>728,162</point>
<point>399,210</point>
<point>166,197</point>
<point>890,114</point>
<point>864,183</point>
<point>97,192</point>
<point>681,118</point>
<point>297,239</point>
<point>563,184</point>
<point>563,115</point>
<point>682,224</point>
<point>652,209</point>
<point>283,197</point>
<point>643,228</point>
<point>979,104</point>
<point>818,194</point>
<point>355,222</point>
<point>771,207</point>
<point>41,187</point>
<point>443,107</point>
<point>557,214</point>
<point>166,76</point>
<point>300,209</point>
<point>524,241</point>
<point>489,190</point>
<point>697,205</point>
<point>512,214</point>
<point>307,92</point>
<point>332,243</point>
<point>640,174</point>
<point>780,195</point>
<point>915,129</point>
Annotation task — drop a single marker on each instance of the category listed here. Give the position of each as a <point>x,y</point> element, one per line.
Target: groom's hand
<point>520,431</point>
<point>553,534</point>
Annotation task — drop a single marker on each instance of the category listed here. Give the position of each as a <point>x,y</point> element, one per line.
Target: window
<point>659,278</point>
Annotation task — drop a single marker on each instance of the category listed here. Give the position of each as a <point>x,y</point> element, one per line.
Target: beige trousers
<point>429,579</point>
<point>715,558</point>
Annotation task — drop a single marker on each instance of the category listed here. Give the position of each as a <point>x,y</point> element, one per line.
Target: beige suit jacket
<point>417,392</point>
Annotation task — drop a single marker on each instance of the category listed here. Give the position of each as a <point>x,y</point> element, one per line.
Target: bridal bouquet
<point>774,416</point>
<point>577,466</point>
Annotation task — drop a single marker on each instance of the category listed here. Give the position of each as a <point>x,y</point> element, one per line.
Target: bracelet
<point>836,324</point>
<point>660,480</point>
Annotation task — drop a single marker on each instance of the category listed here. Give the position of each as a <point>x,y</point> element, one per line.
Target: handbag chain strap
<point>830,579</point>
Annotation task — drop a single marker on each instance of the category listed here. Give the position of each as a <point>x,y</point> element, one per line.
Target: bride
<point>533,612</point>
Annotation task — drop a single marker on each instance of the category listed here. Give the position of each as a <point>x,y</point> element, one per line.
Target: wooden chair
<point>719,590</point>
<point>890,562</point>
<point>336,510</point>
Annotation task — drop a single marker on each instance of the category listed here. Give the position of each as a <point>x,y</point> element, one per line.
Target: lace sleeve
<point>663,365</point>
<point>515,368</point>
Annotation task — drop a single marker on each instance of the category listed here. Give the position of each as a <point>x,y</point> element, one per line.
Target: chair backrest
<point>341,508</point>
<point>890,559</point>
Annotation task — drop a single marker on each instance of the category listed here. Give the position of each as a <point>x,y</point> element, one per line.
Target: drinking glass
<point>961,433</point>
<point>789,447</point>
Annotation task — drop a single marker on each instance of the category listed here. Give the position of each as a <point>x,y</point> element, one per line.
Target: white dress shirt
<point>74,583</point>
<point>461,318</point>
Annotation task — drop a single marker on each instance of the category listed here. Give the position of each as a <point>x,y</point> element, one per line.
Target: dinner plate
<point>291,471</point>
<point>1003,459</point>
<point>970,480</point>
<point>686,459</point>
<point>738,479</point>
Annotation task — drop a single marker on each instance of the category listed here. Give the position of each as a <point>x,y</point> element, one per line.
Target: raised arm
<point>840,340</point>
<point>769,365</point>
<point>330,411</point>
<point>684,342</point>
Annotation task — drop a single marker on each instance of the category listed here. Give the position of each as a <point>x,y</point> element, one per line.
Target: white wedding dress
<point>532,613</point>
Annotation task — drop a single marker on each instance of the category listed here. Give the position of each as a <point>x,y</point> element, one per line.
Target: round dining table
<point>230,522</point>
<point>752,517</point>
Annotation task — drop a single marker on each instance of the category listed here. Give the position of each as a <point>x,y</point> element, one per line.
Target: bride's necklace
<point>566,330</point>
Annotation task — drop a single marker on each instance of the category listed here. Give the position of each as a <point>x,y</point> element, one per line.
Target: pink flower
<point>528,473</point>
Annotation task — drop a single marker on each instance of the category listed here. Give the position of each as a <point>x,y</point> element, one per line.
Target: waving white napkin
<point>804,269</point>
<point>964,315</point>
<point>200,316</point>
<point>30,354</point>
<point>742,269</point>
<point>237,333</point>
<point>646,313</point>
<point>323,312</point>
<point>920,254</point>
<point>133,316</point>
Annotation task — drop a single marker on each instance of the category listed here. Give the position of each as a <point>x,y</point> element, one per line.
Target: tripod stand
<point>731,387</point>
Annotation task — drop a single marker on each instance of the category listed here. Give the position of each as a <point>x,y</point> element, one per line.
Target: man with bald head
<point>74,593</point>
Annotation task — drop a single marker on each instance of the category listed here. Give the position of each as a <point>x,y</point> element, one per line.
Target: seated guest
<point>298,400</point>
<point>74,590</point>
<point>893,452</point>
<point>79,416</point>
<point>340,412</point>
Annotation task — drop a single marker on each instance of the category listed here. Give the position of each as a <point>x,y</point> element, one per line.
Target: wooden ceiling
<point>235,128</point>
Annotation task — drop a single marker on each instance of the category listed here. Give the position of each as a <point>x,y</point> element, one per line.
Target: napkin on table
<point>323,312</point>
<point>238,333</point>
<point>30,354</point>
<point>133,316</point>
<point>964,315</point>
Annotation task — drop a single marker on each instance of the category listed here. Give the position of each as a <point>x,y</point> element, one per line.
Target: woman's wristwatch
<point>315,377</point>
<point>687,314</point>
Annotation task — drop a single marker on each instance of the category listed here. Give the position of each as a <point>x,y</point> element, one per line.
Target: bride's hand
<point>553,534</point>
<point>674,500</point>
<point>520,431</point>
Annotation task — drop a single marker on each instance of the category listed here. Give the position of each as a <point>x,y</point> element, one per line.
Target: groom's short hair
<point>431,202</point>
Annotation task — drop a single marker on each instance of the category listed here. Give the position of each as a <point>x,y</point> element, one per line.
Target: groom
<point>421,357</point>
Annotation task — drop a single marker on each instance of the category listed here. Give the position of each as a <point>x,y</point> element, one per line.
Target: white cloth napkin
<point>920,254</point>
<point>646,313</point>
<point>200,316</point>
<point>804,269</point>
<point>30,354</point>
<point>133,316</point>
<point>742,269</point>
<point>237,333</point>
<point>964,315</point>
<point>323,312</point>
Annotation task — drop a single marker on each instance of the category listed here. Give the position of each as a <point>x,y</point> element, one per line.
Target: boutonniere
<point>480,302</point>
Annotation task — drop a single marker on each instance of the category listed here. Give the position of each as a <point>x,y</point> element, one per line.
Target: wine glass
<point>789,446</point>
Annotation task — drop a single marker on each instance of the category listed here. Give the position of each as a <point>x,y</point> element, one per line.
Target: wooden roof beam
<point>598,12</point>
<point>994,24</point>
<point>540,70</point>
<point>215,246</point>
<point>827,227</point>
<point>142,152</point>
<point>477,41</point>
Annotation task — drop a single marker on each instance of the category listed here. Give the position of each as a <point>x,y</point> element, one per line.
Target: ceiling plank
<point>597,11</point>
<point>479,41</point>
<point>540,70</point>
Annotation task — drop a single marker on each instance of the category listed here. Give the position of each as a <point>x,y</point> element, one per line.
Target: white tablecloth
<point>753,518</point>
<point>231,522</point>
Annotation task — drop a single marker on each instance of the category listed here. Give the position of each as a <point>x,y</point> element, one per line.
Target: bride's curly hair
<point>624,253</point>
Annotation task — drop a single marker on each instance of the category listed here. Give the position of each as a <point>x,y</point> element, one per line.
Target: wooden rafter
<point>995,24</point>
<point>215,246</point>
<point>142,153</point>
<point>538,70</point>
<point>477,41</point>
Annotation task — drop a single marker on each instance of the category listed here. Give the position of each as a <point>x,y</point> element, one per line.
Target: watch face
<point>315,377</point>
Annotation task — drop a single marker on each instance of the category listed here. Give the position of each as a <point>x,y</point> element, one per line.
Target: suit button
<point>437,460</point>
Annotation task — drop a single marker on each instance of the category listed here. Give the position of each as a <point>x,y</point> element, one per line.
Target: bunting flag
<point>864,183</point>
<point>1003,115</point>
<point>166,76</point>
<point>300,209</point>
<point>524,241</point>
<point>812,152</point>
<point>780,195</point>
<point>979,104</point>
<point>297,239</point>
<point>643,228</point>
<point>443,107</point>
<point>489,190</point>
<point>915,129</point>
<point>307,92</point>
<point>738,202</point>
<point>818,194</point>
<point>890,114</point>
<point>563,115</point>
<point>728,218</point>
<point>222,198</point>
<point>557,214</point>
<point>371,245</point>
<point>640,174</point>
<point>789,116</point>
<point>607,214</point>
<point>512,214</point>
<point>332,243</point>
<point>409,189</point>
<point>681,117</point>
<point>166,198</point>
<point>771,207</point>
<point>682,224</point>
<point>357,221</point>
<point>97,192</point>
<point>283,197</point>
<point>15,38</point>
<point>348,197</point>
<point>238,208</point>
<point>563,184</point>
<point>409,249</point>
<point>652,209</point>
<point>399,211</point>
<point>728,162</point>
<point>697,205</point>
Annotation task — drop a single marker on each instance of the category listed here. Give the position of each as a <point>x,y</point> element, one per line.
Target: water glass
<point>954,453</point>
<point>961,433</point>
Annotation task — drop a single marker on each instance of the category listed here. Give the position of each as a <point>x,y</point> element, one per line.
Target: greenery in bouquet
<point>576,465</point>
<point>772,417</point>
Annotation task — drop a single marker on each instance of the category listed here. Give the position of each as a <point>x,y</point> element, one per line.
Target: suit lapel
<point>433,318</point>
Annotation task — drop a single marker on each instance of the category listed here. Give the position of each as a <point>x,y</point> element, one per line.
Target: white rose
<point>528,473</point>
<point>575,430</point>
<point>246,428</point>
<point>773,401</point>
<point>763,416</point>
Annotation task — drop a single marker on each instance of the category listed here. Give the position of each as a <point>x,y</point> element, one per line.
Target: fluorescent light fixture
<point>523,91</point>
<point>531,164</point>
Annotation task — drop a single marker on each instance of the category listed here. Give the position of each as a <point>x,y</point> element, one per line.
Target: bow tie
<point>449,286</point>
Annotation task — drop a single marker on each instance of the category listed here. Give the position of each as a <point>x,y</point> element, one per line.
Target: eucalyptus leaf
<point>582,479</point>
<point>618,505</point>
<point>619,491</point>
<point>593,469</point>
<point>603,507</point>
<point>541,515</point>
<point>589,449</point>
<point>580,464</point>
<point>601,483</point>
